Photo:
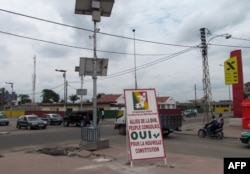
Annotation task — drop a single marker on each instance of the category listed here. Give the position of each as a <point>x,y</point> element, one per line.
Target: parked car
<point>190,113</point>
<point>53,119</point>
<point>79,118</point>
<point>4,120</point>
<point>31,122</point>
<point>245,138</point>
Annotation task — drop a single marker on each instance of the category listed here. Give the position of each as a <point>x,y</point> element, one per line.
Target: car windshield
<point>33,118</point>
<point>2,116</point>
<point>55,116</point>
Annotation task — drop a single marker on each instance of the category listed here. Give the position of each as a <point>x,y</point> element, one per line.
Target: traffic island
<point>90,139</point>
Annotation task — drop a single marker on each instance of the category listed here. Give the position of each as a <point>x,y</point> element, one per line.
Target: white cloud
<point>170,22</point>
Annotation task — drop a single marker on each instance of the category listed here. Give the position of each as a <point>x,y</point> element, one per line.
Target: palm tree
<point>73,98</point>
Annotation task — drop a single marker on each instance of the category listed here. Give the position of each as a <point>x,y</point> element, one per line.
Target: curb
<point>192,134</point>
<point>4,133</point>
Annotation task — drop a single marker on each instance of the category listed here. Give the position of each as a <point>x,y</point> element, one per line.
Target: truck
<point>170,120</point>
<point>79,118</point>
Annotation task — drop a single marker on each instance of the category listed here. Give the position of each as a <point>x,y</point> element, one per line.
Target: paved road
<point>53,135</point>
<point>175,143</point>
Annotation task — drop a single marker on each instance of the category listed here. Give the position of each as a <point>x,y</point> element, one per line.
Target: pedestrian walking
<point>103,114</point>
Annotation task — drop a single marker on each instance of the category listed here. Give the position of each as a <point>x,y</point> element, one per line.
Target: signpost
<point>231,71</point>
<point>143,125</point>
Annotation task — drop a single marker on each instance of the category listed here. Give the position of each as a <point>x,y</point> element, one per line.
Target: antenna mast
<point>34,82</point>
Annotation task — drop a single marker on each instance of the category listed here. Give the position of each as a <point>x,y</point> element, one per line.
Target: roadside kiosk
<point>246,114</point>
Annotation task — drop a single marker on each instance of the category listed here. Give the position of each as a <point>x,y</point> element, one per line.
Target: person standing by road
<point>220,121</point>
<point>102,114</point>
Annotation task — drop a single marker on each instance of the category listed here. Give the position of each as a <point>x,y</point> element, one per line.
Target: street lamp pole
<point>95,8</point>
<point>135,60</point>
<point>65,87</point>
<point>206,75</point>
<point>94,79</point>
<point>11,84</point>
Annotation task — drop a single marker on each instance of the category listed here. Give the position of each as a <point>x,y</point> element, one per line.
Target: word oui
<point>143,135</point>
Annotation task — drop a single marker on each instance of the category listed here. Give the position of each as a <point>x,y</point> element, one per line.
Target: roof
<point>161,99</point>
<point>247,83</point>
<point>109,98</point>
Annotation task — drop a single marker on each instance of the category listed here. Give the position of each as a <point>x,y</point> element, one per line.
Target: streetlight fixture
<point>65,87</point>
<point>206,76</point>
<point>96,8</point>
<point>11,84</point>
<point>226,36</point>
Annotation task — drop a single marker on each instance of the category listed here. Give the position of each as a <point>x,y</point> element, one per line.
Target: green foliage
<point>24,98</point>
<point>99,95</point>
<point>73,98</point>
<point>49,96</point>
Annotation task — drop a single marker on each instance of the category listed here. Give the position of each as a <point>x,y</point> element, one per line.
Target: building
<point>247,90</point>
<point>117,100</point>
<point>166,103</point>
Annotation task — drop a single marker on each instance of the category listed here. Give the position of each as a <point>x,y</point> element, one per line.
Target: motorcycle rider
<point>220,121</point>
<point>213,123</point>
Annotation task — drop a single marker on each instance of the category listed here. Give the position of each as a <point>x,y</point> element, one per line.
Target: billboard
<point>86,67</point>
<point>231,71</point>
<point>143,125</point>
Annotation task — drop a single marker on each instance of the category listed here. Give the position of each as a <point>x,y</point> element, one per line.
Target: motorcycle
<point>205,131</point>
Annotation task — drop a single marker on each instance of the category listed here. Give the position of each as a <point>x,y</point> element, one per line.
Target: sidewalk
<point>114,160</point>
<point>228,130</point>
<point>107,161</point>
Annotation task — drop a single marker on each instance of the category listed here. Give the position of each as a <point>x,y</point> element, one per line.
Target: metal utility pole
<point>12,98</point>
<point>95,8</point>
<point>65,87</point>
<point>206,77</point>
<point>135,60</point>
<point>81,89</point>
<point>94,77</point>
<point>195,97</point>
<point>34,83</point>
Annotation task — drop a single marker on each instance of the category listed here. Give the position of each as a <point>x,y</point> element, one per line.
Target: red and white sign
<point>143,125</point>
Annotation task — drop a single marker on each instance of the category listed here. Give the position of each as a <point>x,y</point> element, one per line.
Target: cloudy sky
<point>166,39</point>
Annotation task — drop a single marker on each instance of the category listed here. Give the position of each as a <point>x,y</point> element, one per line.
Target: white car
<point>190,113</point>
<point>53,119</point>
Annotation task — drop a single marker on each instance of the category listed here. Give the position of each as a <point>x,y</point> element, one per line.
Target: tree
<point>24,98</point>
<point>73,98</point>
<point>49,96</point>
<point>99,95</point>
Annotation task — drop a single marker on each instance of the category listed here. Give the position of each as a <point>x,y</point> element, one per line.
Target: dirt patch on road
<point>59,151</point>
<point>73,152</point>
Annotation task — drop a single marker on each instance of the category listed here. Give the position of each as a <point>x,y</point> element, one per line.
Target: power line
<point>150,63</point>
<point>240,39</point>
<point>79,28</point>
<point>232,46</point>
<point>112,52</point>
<point>139,67</point>
<point>76,47</point>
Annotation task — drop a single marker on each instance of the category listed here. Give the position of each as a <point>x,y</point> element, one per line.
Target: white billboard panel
<point>86,67</point>
<point>143,125</point>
